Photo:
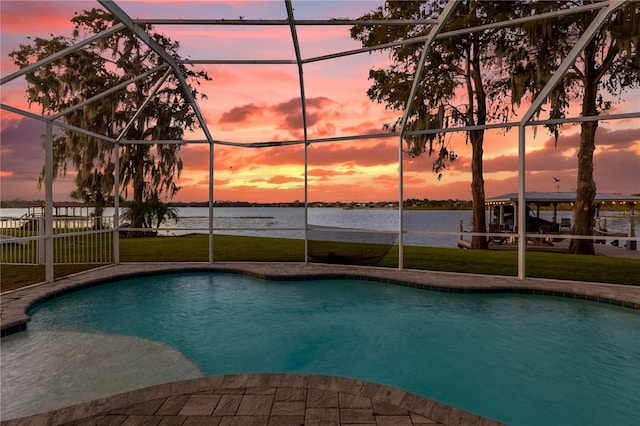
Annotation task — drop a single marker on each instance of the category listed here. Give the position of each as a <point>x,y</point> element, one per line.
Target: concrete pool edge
<point>16,304</point>
<point>262,398</point>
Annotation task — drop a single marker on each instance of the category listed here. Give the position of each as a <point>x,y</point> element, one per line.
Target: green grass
<point>16,276</point>
<point>194,248</point>
<point>537,264</point>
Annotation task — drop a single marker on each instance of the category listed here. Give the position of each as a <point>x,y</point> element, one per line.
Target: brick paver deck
<point>281,399</point>
<point>257,400</point>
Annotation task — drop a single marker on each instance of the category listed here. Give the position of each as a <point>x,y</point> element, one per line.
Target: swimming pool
<point>515,358</point>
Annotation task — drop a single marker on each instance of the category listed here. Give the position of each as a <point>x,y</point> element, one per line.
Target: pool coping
<point>16,304</point>
<point>311,399</point>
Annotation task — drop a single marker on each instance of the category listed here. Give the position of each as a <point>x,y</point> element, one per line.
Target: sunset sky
<point>254,103</point>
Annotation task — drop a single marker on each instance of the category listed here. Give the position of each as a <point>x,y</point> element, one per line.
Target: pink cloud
<point>361,153</point>
<point>365,128</point>
<point>278,180</point>
<point>241,114</point>
<point>325,175</point>
<point>259,194</point>
<point>195,157</point>
<point>51,17</point>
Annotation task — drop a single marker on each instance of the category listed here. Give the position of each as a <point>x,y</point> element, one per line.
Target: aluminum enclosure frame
<point>172,65</point>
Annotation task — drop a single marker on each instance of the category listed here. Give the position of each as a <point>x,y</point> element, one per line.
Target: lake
<point>435,228</point>
<point>288,222</point>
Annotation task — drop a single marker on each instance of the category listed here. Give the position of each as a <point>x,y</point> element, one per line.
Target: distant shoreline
<point>412,204</point>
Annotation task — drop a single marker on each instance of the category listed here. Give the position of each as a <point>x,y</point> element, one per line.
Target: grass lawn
<point>194,248</point>
<point>16,276</point>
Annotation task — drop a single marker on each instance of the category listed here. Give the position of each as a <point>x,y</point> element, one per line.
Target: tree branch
<point>608,60</point>
<point>577,71</point>
<point>460,113</point>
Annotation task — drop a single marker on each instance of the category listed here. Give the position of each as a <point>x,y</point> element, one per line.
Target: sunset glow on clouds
<point>256,103</point>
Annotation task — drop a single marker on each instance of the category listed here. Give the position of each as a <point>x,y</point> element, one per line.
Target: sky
<point>256,103</point>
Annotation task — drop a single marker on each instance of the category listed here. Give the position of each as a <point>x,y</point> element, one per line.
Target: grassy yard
<point>194,248</point>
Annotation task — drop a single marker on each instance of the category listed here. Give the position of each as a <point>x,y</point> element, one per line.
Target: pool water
<point>520,359</point>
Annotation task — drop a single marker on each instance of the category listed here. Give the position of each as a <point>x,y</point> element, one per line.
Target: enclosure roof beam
<point>516,21</point>
<point>462,31</point>
<point>265,144</point>
<point>108,92</point>
<point>44,119</point>
<point>141,108</point>
<point>283,22</point>
<point>156,47</point>
<point>296,47</point>
<point>238,61</point>
<point>443,17</point>
<point>62,53</point>
<point>580,45</point>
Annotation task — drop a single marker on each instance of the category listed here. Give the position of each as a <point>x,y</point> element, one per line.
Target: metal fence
<point>76,240</point>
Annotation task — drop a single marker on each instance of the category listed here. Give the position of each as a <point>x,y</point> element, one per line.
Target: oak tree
<point>145,169</point>
<point>461,85</point>
<point>605,69</point>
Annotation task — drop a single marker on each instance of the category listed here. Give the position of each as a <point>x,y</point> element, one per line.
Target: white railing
<point>89,240</point>
<point>76,240</point>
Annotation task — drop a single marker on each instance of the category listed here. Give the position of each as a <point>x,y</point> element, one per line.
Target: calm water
<point>525,360</point>
<point>423,227</point>
<point>278,221</point>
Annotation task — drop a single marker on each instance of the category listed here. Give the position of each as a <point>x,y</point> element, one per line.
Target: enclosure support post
<point>631,244</point>
<point>521,210</point>
<point>306,203</point>
<point>400,206</point>
<point>116,205</point>
<point>211,157</point>
<point>303,101</point>
<point>568,61</point>
<point>48,216</point>
<point>444,16</point>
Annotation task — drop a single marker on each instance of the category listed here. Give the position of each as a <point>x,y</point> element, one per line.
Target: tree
<point>162,212</point>
<point>96,189</point>
<point>145,169</point>
<point>459,69</point>
<point>150,213</point>
<point>137,212</point>
<point>609,65</point>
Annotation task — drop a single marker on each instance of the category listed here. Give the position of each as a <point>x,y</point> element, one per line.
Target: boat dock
<point>563,247</point>
<point>555,236</point>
